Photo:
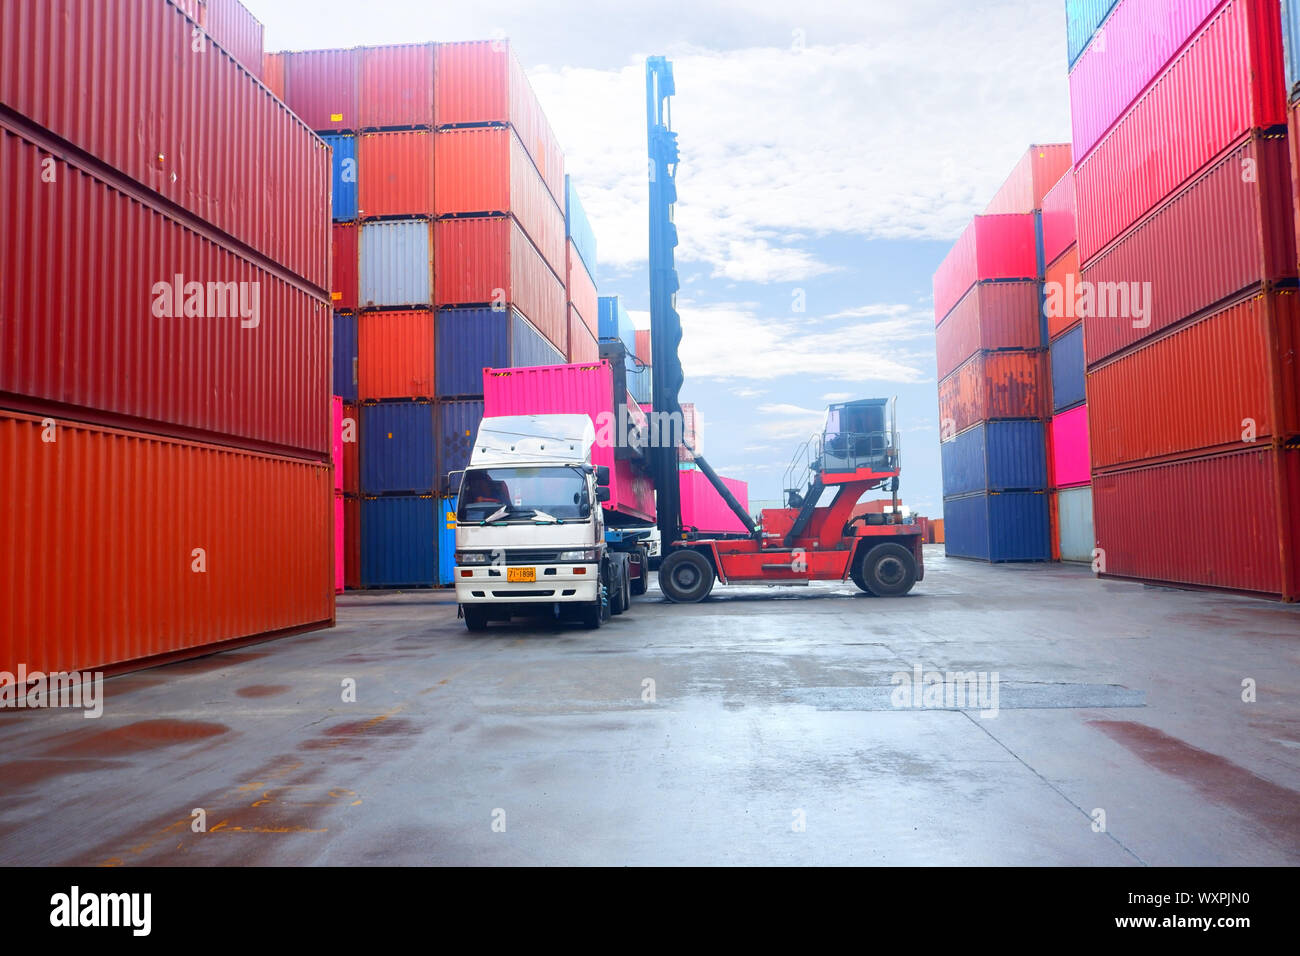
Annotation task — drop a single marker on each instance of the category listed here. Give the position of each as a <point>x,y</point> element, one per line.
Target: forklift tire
<point>887,570</point>
<point>686,577</point>
<point>855,573</point>
<point>476,618</point>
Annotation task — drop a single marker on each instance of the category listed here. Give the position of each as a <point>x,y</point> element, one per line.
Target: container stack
<point>164,355</point>
<point>616,329</point>
<point>1187,247</point>
<point>580,282</point>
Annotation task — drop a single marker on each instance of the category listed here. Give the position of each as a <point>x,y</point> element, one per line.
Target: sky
<point>830,154</point>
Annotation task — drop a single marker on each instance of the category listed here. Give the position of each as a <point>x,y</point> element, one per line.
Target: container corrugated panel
<point>1071,464</point>
<point>1226,81</point>
<point>613,317</point>
<point>1060,288</point>
<point>470,340</point>
<point>992,385</point>
<point>703,508</point>
<point>643,345</point>
<point>397,86</point>
<point>1067,369</point>
<point>1228,521</point>
<point>1142,36</point>
<point>118,79</point>
<point>1058,218</point>
<point>345,290</point>
<point>1038,171</point>
<point>1082,20</point>
<point>397,263</point>
<point>578,228</point>
<point>1254,240</point>
<point>479,83</point>
<point>640,384</point>
<point>351,443</point>
<point>1074,522</point>
<point>1210,384</point>
<point>486,260</point>
<point>118,517</point>
<point>992,247</point>
<point>484,171</point>
<point>992,315</point>
<point>995,456</point>
<point>345,356</point>
<point>90,317</point>
<point>322,86</point>
<point>351,542</point>
<point>1291,46</point>
<point>581,290</point>
<point>395,355</point>
<point>1003,526</point>
<point>399,541</point>
<point>336,454</point>
<point>340,555</point>
<point>583,346</point>
<point>398,449</point>
<point>457,425</point>
<point>237,32</point>
<point>447,542</point>
<point>395,172</point>
<point>344,203</point>
<point>273,72</point>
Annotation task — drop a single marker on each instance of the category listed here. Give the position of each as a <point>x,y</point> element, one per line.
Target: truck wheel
<point>888,570</point>
<point>642,584</point>
<point>593,616</point>
<point>618,596</point>
<point>686,577</point>
<point>476,618</point>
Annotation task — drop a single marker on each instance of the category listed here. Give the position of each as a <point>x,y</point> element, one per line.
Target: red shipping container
<point>1228,521</point>
<point>481,82</point>
<point>1062,276</point>
<point>703,508</point>
<point>989,386</point>
<point>351,444</point>
<point>1226,81</point>
<point>352,542</point>
<point>120,518</point>
<point>395,355</point>
<point>1226,232</point>
<point>91,318</point>
<point>323,87</point>
<point>237,31</point>
<point>397,86</point>
<point>340,555</point>
<point>1058,218</point>
<point>583,346</point>
<point>273,73</point>
<point>395,174</point>
<point>1071,463</point>
<point>345,290</point>
<point>992,247</point>
<point>479,261</point>
<point>582,291</point>
<point>1209,385</point>
<point>482,171</point>
<point>1293,131</point>
<point>992,315</point>
<point>117,79</point>
<point>1038,171</point>
<point>643,346</point>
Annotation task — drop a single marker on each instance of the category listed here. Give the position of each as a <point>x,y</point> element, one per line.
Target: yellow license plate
<point>521,575</point>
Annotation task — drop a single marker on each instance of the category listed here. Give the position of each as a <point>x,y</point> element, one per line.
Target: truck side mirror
<point>454,479</point>
<point>602,477</point>
<point>602,494</point>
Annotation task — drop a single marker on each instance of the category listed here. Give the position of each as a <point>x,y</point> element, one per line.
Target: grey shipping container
<point>1074,516</point>
<point>397,263</point>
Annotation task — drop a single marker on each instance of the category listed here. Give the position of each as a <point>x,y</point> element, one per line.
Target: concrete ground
<point>769,734</point>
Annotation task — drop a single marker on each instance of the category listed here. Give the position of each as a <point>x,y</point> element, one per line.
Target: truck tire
<point>642,584</point>
<point>887,570</point>
<point>686,577</point>
<point>593,616</point>
<point>618,589</point>
<point>476,618</point>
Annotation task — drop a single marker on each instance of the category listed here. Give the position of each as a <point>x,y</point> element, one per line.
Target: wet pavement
<point>767,725</point>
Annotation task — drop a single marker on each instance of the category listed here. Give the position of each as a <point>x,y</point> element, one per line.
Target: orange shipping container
<point>1039,169</point>
<point>395,174</point>
<point>397,86</point>
<point>992,385</point>
<point>1064,272</point>
<point>936,525</point>
<point>273,73</point>
<point>395,355</point>
<point>153,547</point>
<point>583,346</point>
<point>582,293</point>
<point>992,315</point>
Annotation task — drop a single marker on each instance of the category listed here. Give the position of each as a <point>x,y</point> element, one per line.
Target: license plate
<point>521,575</point>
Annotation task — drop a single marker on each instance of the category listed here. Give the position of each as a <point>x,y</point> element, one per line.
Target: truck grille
<point>538,556</point>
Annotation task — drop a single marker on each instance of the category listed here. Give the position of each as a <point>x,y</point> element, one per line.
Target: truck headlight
<point>472,557</point>
<point>585,556</point>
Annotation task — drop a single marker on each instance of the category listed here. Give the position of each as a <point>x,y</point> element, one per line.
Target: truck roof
<point>533,439</point>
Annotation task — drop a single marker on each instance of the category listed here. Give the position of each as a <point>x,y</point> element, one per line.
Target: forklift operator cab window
<point>855,436</point>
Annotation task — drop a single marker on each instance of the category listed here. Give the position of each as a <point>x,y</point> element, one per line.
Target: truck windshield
<point>526,494</point>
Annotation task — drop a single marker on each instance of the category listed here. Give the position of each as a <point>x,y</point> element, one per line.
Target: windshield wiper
<point>500,512</point>
<point>544,518</point>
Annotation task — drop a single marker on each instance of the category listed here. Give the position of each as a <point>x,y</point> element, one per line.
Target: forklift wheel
<point>887,570</point>
<point>686,577</point>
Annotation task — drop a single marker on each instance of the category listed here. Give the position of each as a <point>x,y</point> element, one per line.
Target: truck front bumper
<point>564,583</point>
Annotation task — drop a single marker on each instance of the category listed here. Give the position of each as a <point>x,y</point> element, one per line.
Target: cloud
<point>838,397</point>
<point>746,392</point>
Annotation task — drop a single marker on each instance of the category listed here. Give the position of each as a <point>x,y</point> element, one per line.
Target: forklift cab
<point>860,436</point>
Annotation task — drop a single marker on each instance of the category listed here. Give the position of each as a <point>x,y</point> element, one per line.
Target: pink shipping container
<point>1038,171</point>
<point>351,464</point>
<point>1069,438</point>
<point>323,87</point>
<point>397,86</point>
<point>85,331</point>
<point>703,508</point>
<point>1220,235</point>
<point>582,389</point>
<point>992,247</point>
<point>340,556</point>
<point>1058,218</point>
<point>118,79</point>
<point>479,83</point>
<point>476,259</point>
<point>337,457</point>
<point>1142,36</point>
<point>992,315</point>
<point>1226,81</point>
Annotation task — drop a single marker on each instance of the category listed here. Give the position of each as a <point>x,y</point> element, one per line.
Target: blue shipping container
<point>398,449</point>
<point>447,543</point>
<point>1291,44</point>
<point>397,263</point>
<point>345,356</point>
<point>995,456</point>
<point>1082,20</point>
<point>457,427</point>
<point>577,228</point>
<point>1068,379</point>
<point>1001,526</point>
<point>399,541</point>
<point>345,175</point>
<point>470,340</point>
<point>638,383</point>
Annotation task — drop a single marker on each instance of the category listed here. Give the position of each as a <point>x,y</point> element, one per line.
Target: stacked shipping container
<point>164,359</point>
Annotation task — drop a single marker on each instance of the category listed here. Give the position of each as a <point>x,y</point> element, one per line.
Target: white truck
<point>530,530</point>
